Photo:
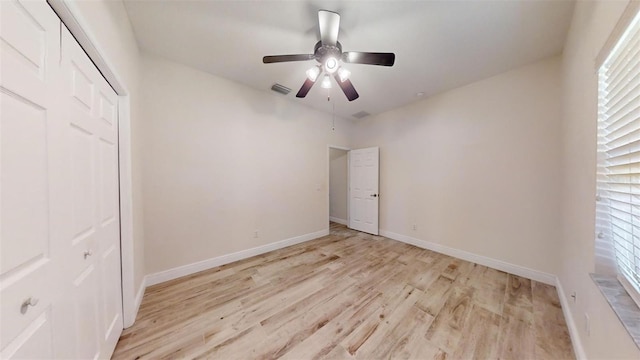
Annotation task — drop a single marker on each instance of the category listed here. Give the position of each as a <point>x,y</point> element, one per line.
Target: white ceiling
<point>439,45</point>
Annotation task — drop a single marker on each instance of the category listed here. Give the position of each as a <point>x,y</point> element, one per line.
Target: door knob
<point>88,253</point>
<point>29,302</point>
<point>374,195</point>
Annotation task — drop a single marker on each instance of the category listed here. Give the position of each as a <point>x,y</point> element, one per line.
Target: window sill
<point>621,303</point>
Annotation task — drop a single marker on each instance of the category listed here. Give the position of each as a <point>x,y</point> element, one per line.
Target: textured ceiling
<point>439,45</point>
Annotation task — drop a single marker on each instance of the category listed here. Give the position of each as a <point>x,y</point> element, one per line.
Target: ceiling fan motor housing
<point>323,52</point>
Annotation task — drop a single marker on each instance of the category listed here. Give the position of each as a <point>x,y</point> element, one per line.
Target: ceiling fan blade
<point>369,58</point>
<point>347,88</point>
<point>305,88</point>
<point>284,58</point>
<point>329,23</point>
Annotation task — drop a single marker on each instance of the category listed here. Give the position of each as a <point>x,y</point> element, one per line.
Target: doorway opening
<point>339,185</point>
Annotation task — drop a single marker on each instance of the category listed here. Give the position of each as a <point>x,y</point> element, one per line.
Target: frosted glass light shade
<point>313,73</point>
<point>326,82</point>
<point>343,74</point>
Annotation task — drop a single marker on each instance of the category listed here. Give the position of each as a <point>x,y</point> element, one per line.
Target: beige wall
<point>108,23</point>
<point>592,24</point>
<point>222,160</point>
<point>338,184</point>
<point>477,168</point>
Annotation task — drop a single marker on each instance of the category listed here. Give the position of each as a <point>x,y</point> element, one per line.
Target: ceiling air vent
<point>360,115</point>
<point>280,89</point>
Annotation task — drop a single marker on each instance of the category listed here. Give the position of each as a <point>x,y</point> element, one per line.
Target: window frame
<point>628,27</point>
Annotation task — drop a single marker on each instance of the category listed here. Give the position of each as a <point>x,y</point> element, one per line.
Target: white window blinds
<point>618,205</point>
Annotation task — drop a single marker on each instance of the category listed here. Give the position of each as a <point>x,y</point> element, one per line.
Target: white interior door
<point>29,55</point>
<point>363,185</point>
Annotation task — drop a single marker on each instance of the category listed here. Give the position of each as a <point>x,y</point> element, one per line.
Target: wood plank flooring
<point>349,295</point>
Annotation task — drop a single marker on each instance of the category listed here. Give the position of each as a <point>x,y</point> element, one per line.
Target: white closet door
<point>29,55</point>
<point>93,258</point>
<point>59,209</point>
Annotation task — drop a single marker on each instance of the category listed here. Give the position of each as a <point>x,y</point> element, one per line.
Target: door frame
<point>329,147</point>
<point>70,16</point>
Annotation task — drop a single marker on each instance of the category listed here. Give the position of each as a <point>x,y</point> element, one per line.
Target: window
<point>618,205</point>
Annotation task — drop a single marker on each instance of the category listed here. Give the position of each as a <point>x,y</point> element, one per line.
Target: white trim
<point>329,147</point>
<point>338,220</point>
<point>68,12</point>
<point>339,147</point>
<point>536,275</point>
<point>130,310</point>
<point>571,324</point>
<point>180,271</point>
<point>629,13</point>
<point>140,296</point>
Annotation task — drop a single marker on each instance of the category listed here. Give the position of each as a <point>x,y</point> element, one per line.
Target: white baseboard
<point>578,350</point>
<point>478,259</point>
<point>338,220</point>
<point>180,271</point>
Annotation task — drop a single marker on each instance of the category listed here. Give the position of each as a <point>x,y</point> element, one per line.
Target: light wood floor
<point>349,295</point>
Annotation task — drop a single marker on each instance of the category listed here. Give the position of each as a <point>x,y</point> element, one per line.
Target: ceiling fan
<point>328,52</point>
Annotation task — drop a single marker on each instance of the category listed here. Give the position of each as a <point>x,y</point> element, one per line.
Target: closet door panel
<point>91,107</point>
<point>79,106</point>
<point>25,202</point>
<point>109,246</point>
<point>29,55</point>
<point>86,319</point>
<point>105,122</point>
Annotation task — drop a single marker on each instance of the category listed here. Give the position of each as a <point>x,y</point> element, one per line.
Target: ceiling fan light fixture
<point>326,82</point>
<point>313,73</point>
<point>329,55</point>
<point>343,74</point>
<point>331,64</point>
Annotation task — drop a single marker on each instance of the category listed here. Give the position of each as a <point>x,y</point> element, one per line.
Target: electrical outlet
<point>587,324</point>
<point>574,296</point>
<point>415,227</point>
<point>255,234</point>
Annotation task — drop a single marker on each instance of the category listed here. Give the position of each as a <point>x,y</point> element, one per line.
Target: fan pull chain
<point>333,122</point>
